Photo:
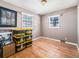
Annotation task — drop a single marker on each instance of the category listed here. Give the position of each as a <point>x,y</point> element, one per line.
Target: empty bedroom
<point>39,28</point>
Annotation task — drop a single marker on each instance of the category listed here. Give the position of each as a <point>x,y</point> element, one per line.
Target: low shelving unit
<point>22,38</point>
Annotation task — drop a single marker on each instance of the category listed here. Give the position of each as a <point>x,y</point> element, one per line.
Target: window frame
<point>28,15</point>
<point>51,24</point>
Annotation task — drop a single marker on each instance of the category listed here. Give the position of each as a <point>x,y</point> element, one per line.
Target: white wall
<point>36,26</point>
<point>78,23</point>
<point>68,25</point>
<point>36,18</point>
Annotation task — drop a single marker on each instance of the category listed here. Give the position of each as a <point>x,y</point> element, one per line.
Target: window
<point>54,21</point>
<point>26,20</point>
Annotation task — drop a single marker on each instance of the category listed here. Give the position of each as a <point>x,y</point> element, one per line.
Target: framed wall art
<point>8,18</point>
<point>54,21</point>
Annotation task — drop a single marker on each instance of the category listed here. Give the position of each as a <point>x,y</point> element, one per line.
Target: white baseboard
<point>50,38</point>
<point>36,38</point>
<point>78,50</point>
<point>59,41</point>
<point>72,43</point>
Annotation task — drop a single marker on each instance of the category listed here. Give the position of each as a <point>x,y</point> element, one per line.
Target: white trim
<point>24,13</point>
<point>58,41</point>
<point>37,38</point>
<point>50,39</point>
<point>23,23</point>
<point>78,49</point>
<point>72,44</point>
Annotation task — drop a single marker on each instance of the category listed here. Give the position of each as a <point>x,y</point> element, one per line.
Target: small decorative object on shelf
<point>22,38</point>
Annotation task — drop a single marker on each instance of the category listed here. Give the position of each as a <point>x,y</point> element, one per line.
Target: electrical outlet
<point>65,38</point>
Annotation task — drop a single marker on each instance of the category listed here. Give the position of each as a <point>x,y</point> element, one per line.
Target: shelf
<point>29,39</point>
<point>29,33</point>
<point>29,45</point>
<point>22,36</point>
<point>20,44</point>
<point>23,29</point>
<point>23,43</point>
<point>22,40</point>
<point>19,49</point>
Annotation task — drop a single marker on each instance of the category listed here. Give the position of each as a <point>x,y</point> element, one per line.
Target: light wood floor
<point>45,48</point>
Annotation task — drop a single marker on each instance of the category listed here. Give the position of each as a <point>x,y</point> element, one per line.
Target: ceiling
<point>38,8</point>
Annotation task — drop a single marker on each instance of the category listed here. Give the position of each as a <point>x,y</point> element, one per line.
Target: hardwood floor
<point>45,48</point>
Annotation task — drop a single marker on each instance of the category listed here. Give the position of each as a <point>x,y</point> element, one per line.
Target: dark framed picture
<point>8,18</point>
